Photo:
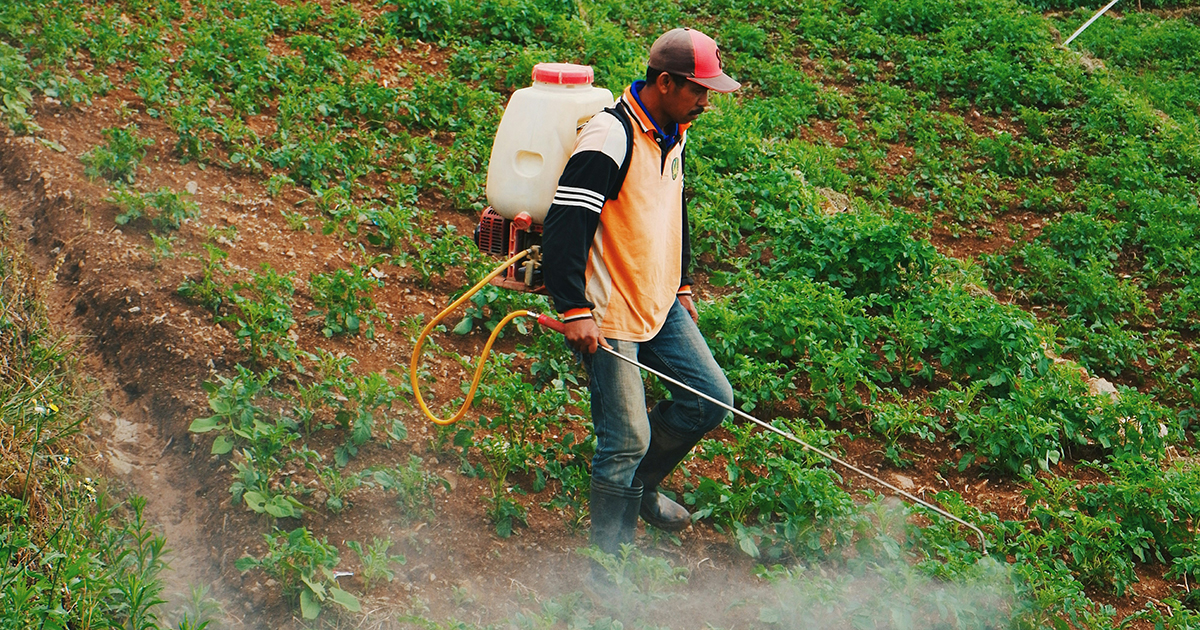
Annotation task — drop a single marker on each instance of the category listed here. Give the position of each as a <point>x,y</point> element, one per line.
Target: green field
<point>1023,221</point>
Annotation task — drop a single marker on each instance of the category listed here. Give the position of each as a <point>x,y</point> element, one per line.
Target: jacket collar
<point>639,113</point>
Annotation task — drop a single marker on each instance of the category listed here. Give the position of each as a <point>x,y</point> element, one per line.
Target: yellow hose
<point>487,348</point>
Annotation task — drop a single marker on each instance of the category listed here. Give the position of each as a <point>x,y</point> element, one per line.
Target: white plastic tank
<point>536,135</point>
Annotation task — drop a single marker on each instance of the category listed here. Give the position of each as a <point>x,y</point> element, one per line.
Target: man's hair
<point>652,76</point>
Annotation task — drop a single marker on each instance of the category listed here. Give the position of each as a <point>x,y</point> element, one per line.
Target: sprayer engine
<point>504,237</point>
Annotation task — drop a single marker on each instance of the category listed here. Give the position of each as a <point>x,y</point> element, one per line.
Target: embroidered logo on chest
<point>675,168</point>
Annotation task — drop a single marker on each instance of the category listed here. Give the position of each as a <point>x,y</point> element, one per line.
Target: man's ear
<point>663,83</point>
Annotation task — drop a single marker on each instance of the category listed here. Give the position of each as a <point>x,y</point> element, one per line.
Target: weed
<point>116,160</point>
<point>198,610</point>
<point>141,560</point>
<point>894,420</point>
<point>640,579</point>
<point>375,560</point>
<point>164,247</point>
<point>165,208</point>
<point>262,315</point>
<point>296,221</point>
<point>414,487</point>
<point>344,298</point>
<point>207,289</point>
<point>303,565</point>
<point>338,486</point>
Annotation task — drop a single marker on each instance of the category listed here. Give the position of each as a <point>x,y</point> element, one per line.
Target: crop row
<point>856,313</point>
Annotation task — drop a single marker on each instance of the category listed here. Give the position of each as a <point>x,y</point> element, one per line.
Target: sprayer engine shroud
<point>504,237</point>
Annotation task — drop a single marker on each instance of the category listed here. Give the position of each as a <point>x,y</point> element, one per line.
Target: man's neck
<point>651,101</point>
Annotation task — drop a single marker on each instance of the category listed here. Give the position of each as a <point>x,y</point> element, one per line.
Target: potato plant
<point>834,202</point>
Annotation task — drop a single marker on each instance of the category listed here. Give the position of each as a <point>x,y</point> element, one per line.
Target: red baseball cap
<point>694,55</point>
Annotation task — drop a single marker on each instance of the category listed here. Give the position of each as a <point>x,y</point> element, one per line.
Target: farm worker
<point>616,257</point>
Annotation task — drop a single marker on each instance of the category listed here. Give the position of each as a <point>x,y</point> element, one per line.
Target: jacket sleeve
<point>570,227</point>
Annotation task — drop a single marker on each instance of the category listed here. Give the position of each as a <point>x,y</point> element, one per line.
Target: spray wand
<point>558,326</point>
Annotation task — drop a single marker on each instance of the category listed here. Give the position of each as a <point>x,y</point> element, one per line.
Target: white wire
<point>785,434</point>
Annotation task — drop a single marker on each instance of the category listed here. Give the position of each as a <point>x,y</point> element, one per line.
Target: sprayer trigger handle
<point>551,323</point>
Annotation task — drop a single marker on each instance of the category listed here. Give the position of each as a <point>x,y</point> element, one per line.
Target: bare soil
<point>150,351</point>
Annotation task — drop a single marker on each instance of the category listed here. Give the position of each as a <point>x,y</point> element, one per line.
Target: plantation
<point>926,238</point>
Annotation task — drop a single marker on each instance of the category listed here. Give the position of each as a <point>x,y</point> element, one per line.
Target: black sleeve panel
<point>685,278</point>
<point>685,265</point>
<point>571,225</point>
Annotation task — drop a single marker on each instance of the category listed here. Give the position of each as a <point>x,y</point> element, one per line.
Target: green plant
<point>259,466</point>
<point>368,398</point>
<point>344,298</point>
<point>207,290</point>
<point>116,160</point>
<point>166,208</point>
<point>894,420</point>
<point>414,487</point>
<point>794,326</point>
<point>375,560</point>
<point>338,485</point>
<point>639,578</point>
<point>505,514</point>
<point>519,412</point>
<point>16,91</point>
<point>296,221</point>
<point>198,610</point>
<point>232,401</point>
<point>303,565</point>
<point>262,315</point>
<point>141,560</point>
<point>777,500</point>
<point>164,247</point>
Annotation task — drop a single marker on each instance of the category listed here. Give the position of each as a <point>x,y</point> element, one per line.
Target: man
<point>616,258</point>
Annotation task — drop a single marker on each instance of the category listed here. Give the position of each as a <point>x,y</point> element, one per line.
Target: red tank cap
<point>563,73</point>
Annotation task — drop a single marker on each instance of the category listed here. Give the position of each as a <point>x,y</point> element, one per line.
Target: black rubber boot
<point>667,449</point>
<point>614,514</point>
<point>614,523</point>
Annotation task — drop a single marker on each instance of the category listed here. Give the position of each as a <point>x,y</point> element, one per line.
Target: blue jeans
<point>619,397</point>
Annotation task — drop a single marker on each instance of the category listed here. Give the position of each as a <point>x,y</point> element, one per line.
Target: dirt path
<point>129,432</point>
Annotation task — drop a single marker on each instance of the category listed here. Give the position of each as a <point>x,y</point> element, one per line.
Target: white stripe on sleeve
<point>599,197</point>
<point>578,201</point>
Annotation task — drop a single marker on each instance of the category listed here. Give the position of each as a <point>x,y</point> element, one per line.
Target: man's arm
<point>571,223</point>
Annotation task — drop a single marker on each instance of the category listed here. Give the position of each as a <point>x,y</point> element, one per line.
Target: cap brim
<point>719,83</point>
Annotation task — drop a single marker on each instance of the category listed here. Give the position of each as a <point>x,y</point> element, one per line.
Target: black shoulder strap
<point>621,111</point>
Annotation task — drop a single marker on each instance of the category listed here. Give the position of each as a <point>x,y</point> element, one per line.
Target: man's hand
<point>686,302</point>
<point>585,336</point>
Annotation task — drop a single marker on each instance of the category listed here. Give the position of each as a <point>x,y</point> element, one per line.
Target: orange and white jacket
<point>615,241</point>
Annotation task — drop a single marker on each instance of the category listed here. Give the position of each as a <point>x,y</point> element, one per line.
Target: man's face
<point>684,101</point>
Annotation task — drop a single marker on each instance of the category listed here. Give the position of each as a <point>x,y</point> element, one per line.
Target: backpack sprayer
<point>512,227</point>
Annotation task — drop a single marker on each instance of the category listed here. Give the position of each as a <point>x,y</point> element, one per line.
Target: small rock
<point>905,482</point>
<point>192,187</point>
<point>1100,387</point>
<point>264,246</point>
<point>834,202</point>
